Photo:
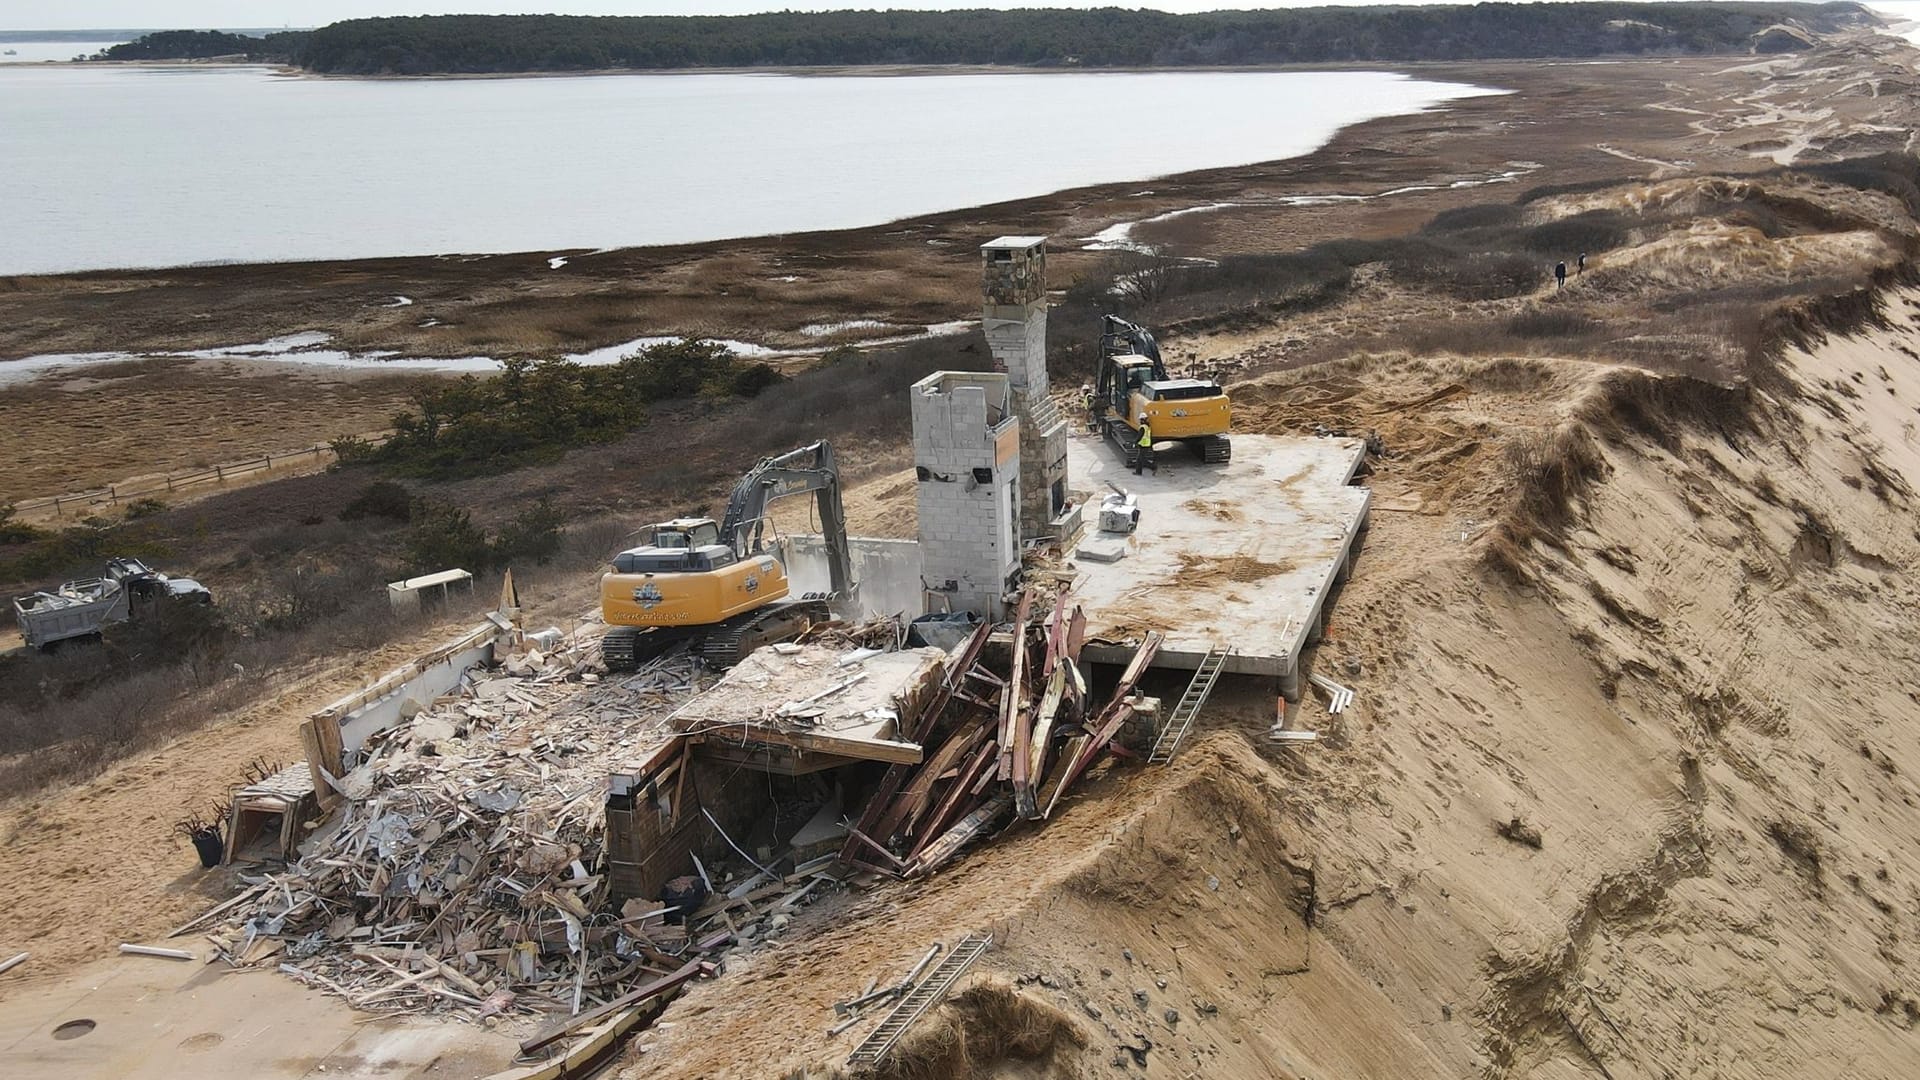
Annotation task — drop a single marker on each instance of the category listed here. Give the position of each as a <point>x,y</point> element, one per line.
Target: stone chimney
<point>1014,315</point>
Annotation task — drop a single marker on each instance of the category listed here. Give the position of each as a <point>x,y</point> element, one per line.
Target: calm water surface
<point>153,166</point>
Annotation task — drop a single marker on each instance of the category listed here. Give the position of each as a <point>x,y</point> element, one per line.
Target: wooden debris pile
<point>466,872</point>
<point>1014,739</point>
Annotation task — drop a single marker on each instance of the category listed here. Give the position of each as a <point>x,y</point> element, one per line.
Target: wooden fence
<point>115,494</point>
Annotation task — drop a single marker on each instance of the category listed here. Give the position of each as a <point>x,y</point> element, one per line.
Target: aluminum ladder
<point>873,1049</point>
<point>1180,721</point>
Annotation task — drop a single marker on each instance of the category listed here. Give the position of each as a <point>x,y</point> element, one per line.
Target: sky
<point>203,14</point>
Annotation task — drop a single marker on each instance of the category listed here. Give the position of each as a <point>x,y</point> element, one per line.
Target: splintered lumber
<point>949,807</point>
<point>1012,697</point>
<point>561,1030</point>
<point>1142,657</point>
<point>467,866</point>
<point>916,728</point>
<point>1016,721</point>
<point>971,828</point>
<point>1111,719</point>
<point>590,1053</point>
<point>914,800</point>
<point>1089,750</point>
<point>1076,634</point>
<point>1056,634</point>
<point>1050,788</point>
<point>1043,731</point>
<point>231,902</point>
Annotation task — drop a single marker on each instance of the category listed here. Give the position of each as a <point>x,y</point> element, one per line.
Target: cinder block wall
<point>966,449</point>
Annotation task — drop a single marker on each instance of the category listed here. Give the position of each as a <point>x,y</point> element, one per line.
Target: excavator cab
<point>1130,374</point>
<point>681,533</point>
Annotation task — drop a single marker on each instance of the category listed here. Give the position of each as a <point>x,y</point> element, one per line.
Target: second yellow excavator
<point>719,586</point>
<point>1134,388</point>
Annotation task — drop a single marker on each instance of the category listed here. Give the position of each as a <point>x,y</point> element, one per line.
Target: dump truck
<point>1133,388</point>
<point>82,610</point>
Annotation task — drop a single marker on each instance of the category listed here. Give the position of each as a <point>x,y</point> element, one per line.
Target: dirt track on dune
<point>86,867</point>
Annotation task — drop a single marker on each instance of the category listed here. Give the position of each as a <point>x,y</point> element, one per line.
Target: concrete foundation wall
<point>888,572</point>
<point>387,711</point>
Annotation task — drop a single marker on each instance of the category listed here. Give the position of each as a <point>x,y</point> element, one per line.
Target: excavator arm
<point>1119,337</point>
<point>810,468</point>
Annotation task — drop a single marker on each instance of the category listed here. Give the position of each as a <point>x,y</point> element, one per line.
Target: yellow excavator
<point>717,585</point>
<point>1134,387</point>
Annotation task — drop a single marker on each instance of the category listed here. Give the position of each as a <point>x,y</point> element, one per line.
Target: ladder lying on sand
<point>918,1000</point>
<point>1180,720</point>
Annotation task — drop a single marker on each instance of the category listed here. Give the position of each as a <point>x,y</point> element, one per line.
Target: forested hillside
<point>1109,37</point>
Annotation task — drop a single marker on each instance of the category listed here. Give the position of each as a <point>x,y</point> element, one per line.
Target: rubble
<point>995,741</point>
<point>464,873</point>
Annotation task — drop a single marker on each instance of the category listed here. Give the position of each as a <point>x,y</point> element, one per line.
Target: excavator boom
<point>810,468</point>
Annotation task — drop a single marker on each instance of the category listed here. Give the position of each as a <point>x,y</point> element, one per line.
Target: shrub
<point>1895,174</point>
<point>1482,216</point>
<point>751,379</point>
<point>352,450</point>
<point>383,499</point>
<point>15,532</point>
<point>140,508</point>
<point>534,534</point>
<point>444,537</point>
<point>1577,187</point>
<point>1595,230</point>
<point>1550,324</point>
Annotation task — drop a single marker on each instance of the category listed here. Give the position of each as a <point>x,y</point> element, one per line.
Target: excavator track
<point>726,644</point>
<point>1215,449</point>
<point>625,648</point>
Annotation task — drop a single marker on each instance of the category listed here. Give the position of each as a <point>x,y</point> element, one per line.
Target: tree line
<point>1107,37</point>
<point>279,47</point>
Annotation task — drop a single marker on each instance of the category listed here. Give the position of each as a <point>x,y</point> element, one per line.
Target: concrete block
<point>1102,549</point>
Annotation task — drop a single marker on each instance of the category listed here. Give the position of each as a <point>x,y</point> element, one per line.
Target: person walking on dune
<point>1580,264</point>
<point>1559,275</point>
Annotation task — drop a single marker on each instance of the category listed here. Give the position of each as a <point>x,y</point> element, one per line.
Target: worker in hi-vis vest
<point>1143,452</point>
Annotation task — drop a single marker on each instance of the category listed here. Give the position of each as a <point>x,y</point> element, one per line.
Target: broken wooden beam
<point>917,728</point>
<point>971,828</point>
<point>956,796</point>
<point>688,971</point>
<point>1014,696</point>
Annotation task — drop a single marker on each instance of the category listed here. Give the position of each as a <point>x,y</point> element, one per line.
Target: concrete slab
<point>819,699</point>
<point>167,1018</point>
<point>1102,548</point>
<point>1242,554</point>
